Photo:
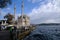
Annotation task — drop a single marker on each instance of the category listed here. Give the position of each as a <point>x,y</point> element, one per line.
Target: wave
<point>45,33</point>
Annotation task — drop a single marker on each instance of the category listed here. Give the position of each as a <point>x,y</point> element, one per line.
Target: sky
<point>39,11</point>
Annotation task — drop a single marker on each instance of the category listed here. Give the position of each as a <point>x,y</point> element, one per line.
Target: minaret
<point>22,8</point>
<point>14,10</point>
<point>22,11</point>
<point>0,11</point>
<point>23,20</point>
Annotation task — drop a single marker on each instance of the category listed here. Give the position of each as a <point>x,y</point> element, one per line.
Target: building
<point>3,22</point>
<point>23,20</point>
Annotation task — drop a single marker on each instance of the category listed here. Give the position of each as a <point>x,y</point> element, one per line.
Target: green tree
<point>4,3</point>
<point>9,18</point>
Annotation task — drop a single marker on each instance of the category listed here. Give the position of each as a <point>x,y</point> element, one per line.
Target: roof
<point>24,16</point>
<point>3,20</point>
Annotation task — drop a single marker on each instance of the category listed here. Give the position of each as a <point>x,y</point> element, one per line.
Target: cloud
<point>4,13</point>
<point>35,1</point>
<point>8,8</point>
<point>46,13</point>
<point>52,21</point>
<point>41,1</point>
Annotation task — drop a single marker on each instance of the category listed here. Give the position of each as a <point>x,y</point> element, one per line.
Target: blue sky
<point>28,6</point>
<point>39,11</point>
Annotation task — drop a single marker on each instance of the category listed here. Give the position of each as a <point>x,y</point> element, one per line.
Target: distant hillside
<point>47,24</point>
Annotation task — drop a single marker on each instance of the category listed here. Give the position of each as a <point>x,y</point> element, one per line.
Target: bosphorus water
<point>45,32</point>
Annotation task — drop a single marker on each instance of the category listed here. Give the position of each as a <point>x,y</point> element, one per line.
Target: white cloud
<point>49,12</point>
<point>36,1</point>
<point>51,21</point>
<point>8,8</point>
<point>4,13</point>
<point>32,1</point>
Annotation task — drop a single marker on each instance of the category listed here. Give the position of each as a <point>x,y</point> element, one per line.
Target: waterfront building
<point>23,20</point>
<point>3,22</point>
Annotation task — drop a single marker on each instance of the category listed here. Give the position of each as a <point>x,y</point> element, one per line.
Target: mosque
<point>23,20</point>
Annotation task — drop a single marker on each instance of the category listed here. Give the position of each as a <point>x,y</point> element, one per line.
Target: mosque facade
<point>23,20</point>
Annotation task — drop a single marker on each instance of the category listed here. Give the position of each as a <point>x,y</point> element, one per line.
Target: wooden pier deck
<point>25,33</point>
<point>5,35</point>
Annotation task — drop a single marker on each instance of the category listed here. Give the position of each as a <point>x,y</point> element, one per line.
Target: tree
<point>9,18</point>
<point>4,3</point>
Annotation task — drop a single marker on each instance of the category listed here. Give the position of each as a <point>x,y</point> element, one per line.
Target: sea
<point>45,32</point>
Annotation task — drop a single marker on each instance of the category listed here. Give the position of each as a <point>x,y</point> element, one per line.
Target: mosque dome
<point>24,17</point>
